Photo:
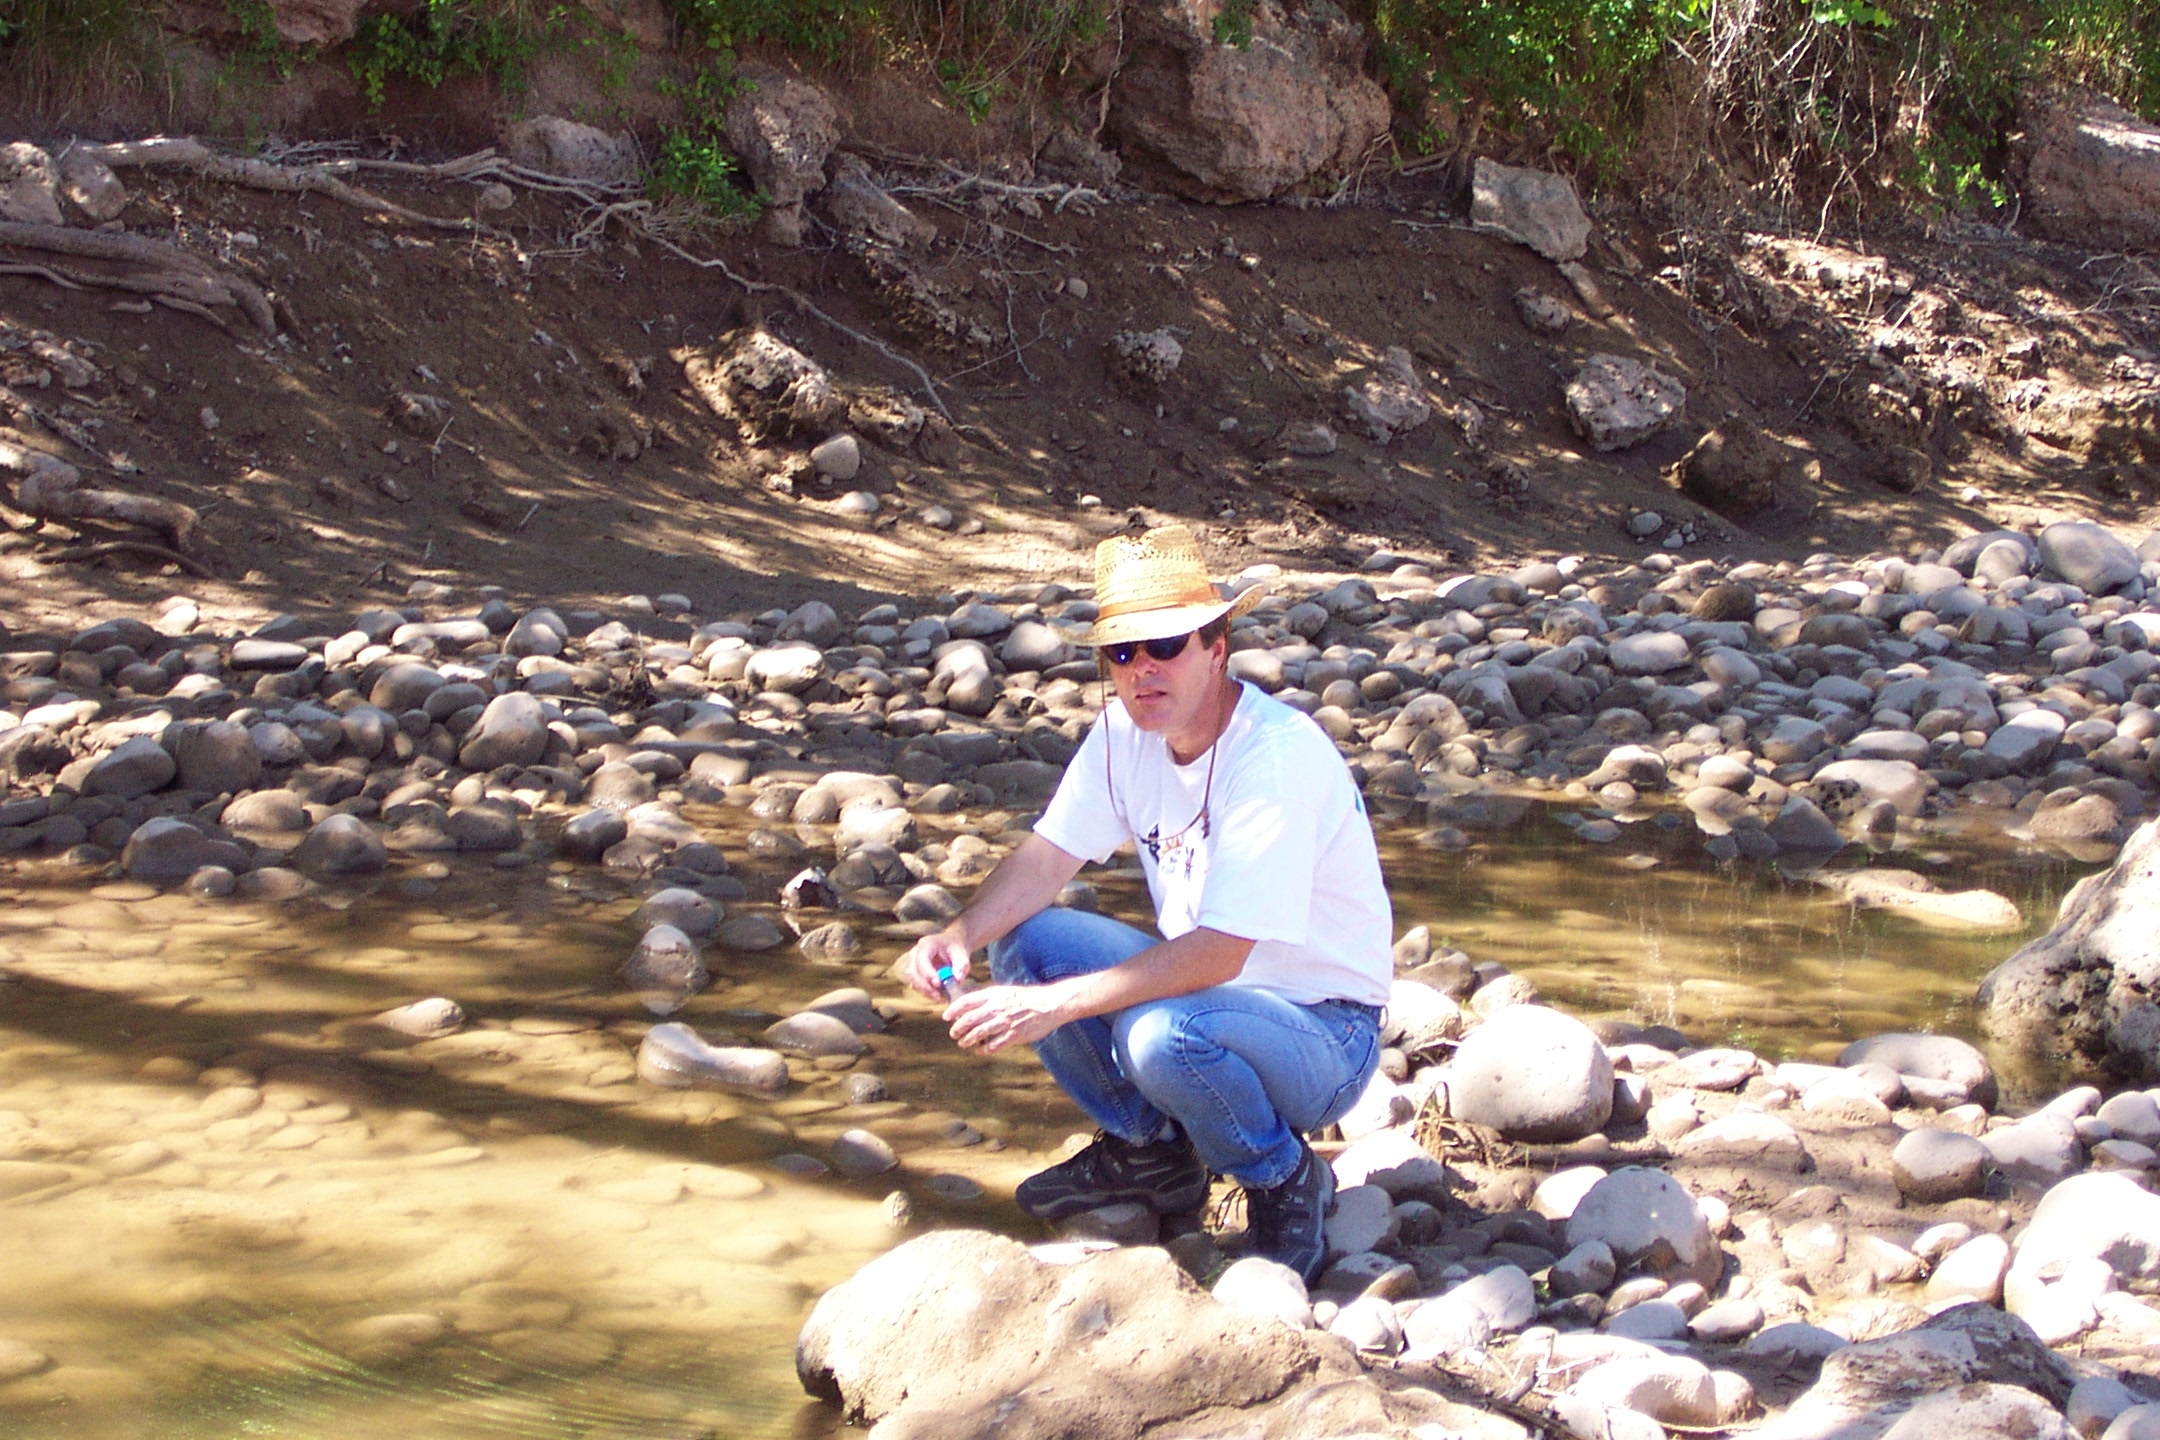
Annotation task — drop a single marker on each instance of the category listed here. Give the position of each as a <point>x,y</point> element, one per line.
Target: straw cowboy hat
<point>1154,585</point>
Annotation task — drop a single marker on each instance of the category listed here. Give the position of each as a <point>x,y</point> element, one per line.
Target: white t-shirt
<point>1288,860</point>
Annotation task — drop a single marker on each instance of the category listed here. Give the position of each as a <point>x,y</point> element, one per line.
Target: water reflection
<point>1647,927</point>
<point>236,1207</point>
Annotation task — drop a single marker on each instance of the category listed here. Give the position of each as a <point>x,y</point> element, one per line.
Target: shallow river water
<point>234,1207</point>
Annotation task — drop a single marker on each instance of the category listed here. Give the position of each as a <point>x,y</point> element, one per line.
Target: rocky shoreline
<point>1788,710</point>
<point>1784,712</point>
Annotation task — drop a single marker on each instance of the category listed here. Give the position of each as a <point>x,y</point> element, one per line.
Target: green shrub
<point>825,29</point>
<point>1803,91</point>
<point>1574,68</point>
<point>693,163</point>
<point>452,37</point>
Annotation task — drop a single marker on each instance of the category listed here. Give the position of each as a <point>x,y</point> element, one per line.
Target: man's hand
<point>931,954</point>
<point>987,1020</point>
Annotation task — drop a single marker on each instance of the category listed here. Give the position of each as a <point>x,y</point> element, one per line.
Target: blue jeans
<point>1242,1070</point>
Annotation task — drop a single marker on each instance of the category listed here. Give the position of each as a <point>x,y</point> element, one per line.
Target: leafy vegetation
<point>443,38</point>
<point>1839,92</point>
<point>823,29</point>
<point>693,164</point>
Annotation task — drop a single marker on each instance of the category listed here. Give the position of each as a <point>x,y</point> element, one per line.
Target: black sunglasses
<point>1123,652</point>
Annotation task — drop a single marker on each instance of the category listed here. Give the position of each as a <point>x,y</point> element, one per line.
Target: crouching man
<point>1254,1018</point>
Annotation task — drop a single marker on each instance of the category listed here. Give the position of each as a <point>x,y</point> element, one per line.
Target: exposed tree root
<point>192,155</point>
<point>161,271</point>
<point>75,554</point>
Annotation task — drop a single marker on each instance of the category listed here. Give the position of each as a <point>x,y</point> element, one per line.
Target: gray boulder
<point>2096,1216</point>
<point>962,1333</point>
<point>573,149</point>
<point>675,1057</point>
<point>2089,169</point>
<point>1982,1411</point>
<point>1534,1074</point>
<point>512,731</point>
<point>2087,556</point>
<point>1865,1388</point>
<point>1615,402</point>
<point>2087,989</point>
<point>783,128</point>
<point>2026,742</point>
<point>1942,1058</point>
<point>1931,1166</point>
<point>1532,207</point>
<point>2038,1150</point>
<point>167,849</point>
<point>340,845</point>
<point>1651,1224</point>
<point>131,770</point>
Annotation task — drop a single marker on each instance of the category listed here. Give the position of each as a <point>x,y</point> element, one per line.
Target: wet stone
<point>858,1154</point>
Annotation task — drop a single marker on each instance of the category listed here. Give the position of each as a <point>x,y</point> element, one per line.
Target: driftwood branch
<point>51,489</point>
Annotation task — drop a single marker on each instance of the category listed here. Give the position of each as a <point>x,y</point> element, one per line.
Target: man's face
<point>1175,697</point>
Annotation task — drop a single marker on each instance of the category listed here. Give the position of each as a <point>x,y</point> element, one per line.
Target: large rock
<point>512,730</point>
<point>783,129</point>
<point>216,757</point>
<point>1651,1224</point>
<point>1942,1058</point>
<point>765,385</point>
<point>1982,1412</point>
<point>1844,786</point>
<point>962,1334</point>
<point>1931,1166</point>
<point>2087,989</point>
<point>1289,110</point>
<point>1532,207</point>
<point>131,770</point>
<point>1671,1389</point>
<point>2106,1216</point>
<point>167,849</point>
<point>2026,742</point>
<point>675,1057</point>
<point>316,22</point>
<point>1534,1074</point>
<point>1865,1388</point>
<point>2090,170</point>
<point>573,149</point>
<point>340,845</point>
<point>2086,555</point>
<point>1615,402</point>
<point>29,185</point>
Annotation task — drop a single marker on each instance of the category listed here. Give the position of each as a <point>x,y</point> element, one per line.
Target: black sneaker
<point>1166,1176</point>
<point>1288,1224</point>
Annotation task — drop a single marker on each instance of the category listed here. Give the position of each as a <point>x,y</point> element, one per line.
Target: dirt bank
<point>556,450</point>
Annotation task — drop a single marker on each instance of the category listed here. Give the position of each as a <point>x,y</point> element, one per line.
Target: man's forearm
<point>1195,960</point>
<point>1024,883</point>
